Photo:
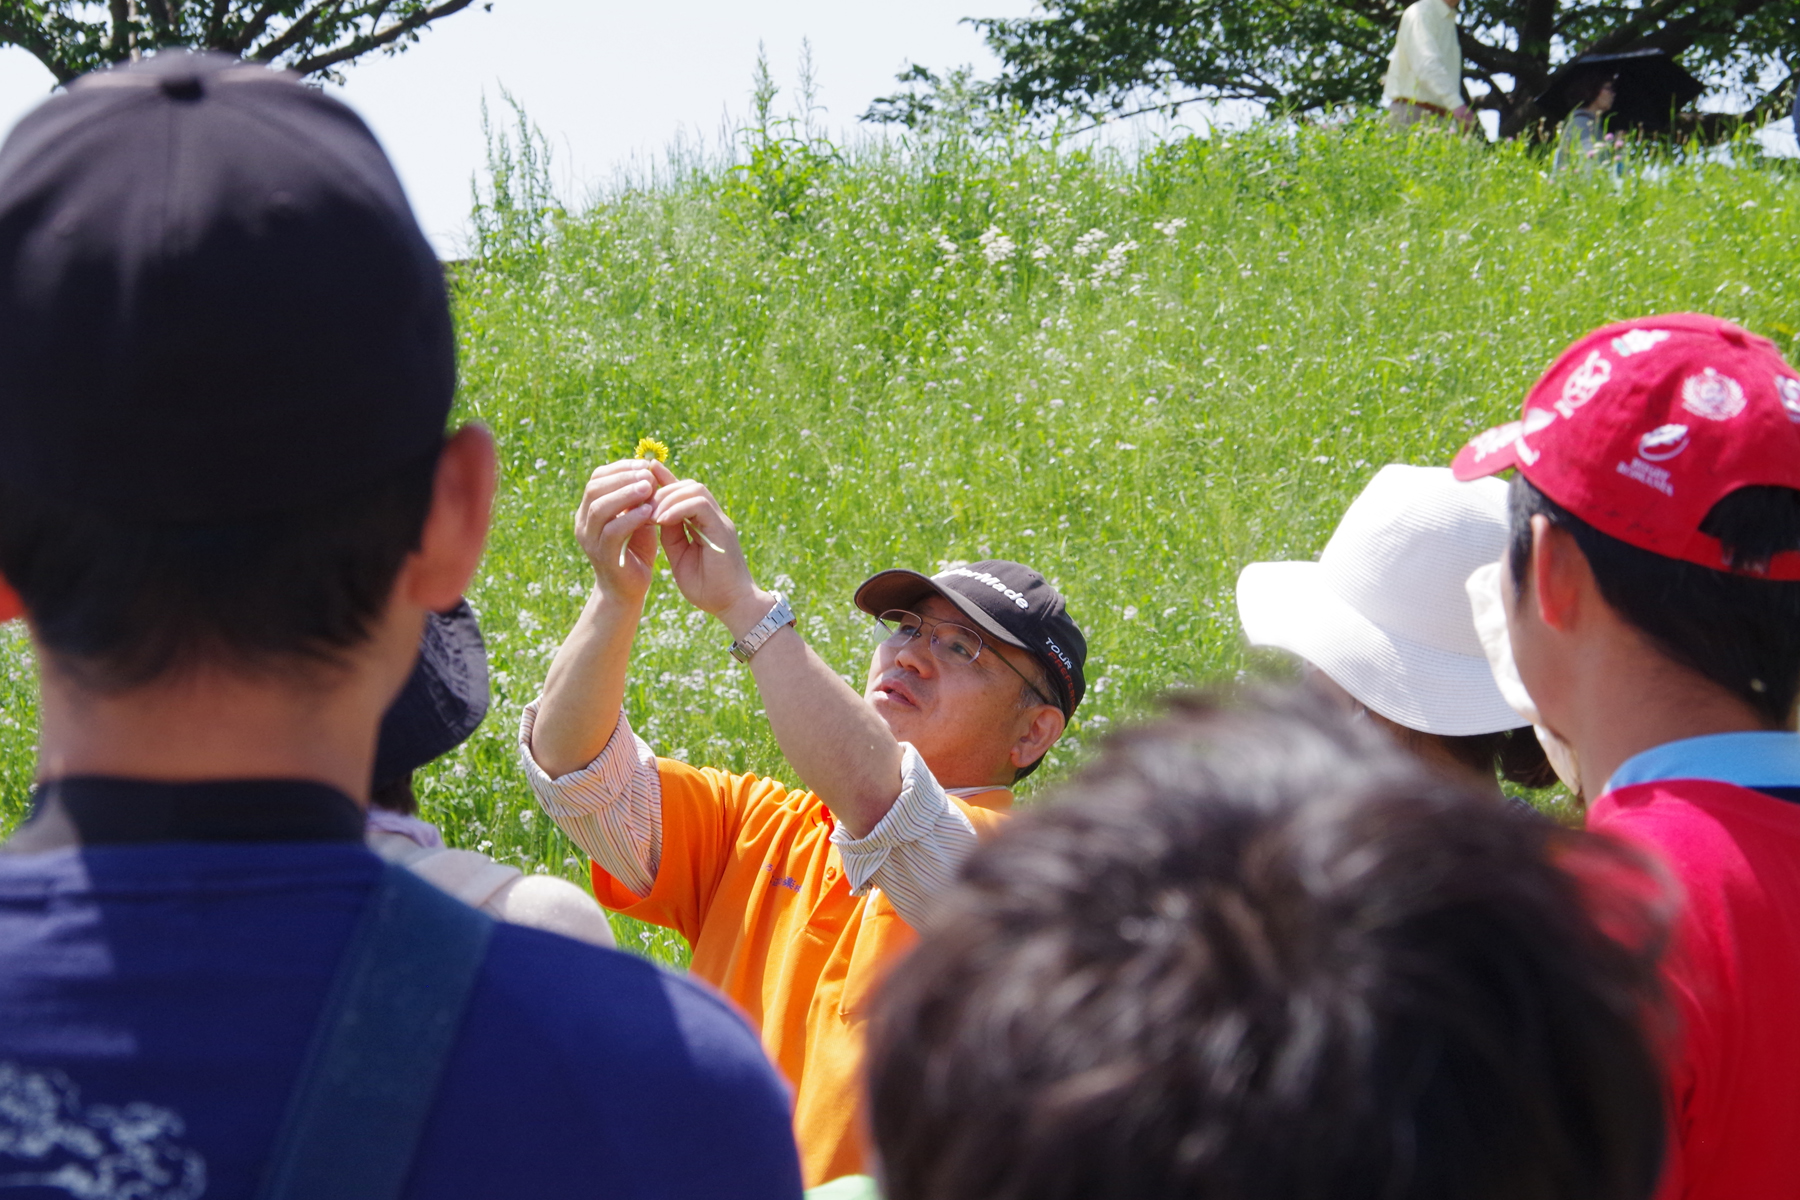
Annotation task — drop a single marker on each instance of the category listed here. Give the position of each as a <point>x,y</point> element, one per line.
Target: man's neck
<point>1642,702</point>
<point>213,725</point>
<point>997,796</point>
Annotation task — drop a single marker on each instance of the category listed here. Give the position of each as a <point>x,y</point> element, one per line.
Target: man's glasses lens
<point>898,622</point>
<point>952,643</point>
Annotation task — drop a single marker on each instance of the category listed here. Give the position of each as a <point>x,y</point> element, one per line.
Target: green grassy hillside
<point>1135,374</point>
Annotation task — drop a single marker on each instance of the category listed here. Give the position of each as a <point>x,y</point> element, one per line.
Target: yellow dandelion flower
<point>647,448</point>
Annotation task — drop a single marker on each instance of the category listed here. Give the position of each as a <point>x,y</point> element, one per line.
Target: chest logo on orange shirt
<point>786,881</point>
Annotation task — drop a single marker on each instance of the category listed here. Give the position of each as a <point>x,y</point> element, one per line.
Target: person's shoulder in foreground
<point>589,1070</point>
<point>577,1070</point>
<point>1254,950</point>
<point>1653,613</point>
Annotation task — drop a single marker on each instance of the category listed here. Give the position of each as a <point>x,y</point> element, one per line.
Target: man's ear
<point>1560,575</point>
<point>435,575</point>
<point>10,604</point>
<point>1047,724</point>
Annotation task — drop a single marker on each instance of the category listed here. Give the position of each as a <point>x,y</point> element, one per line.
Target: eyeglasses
<point>951,643</point>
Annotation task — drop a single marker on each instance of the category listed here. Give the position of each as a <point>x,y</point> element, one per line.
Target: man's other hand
<point>702,547</point>
<point>614,527</point>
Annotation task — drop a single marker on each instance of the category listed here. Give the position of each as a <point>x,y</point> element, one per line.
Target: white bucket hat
<point>1384,611</point>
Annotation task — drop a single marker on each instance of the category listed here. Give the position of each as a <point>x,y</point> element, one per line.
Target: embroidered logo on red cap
<point>1663,443</point>
<point>1712,395</point>
<point>1583,382</point>
<point>1636,341</point>
<point>1642,427</point>
<point>1789,391</point>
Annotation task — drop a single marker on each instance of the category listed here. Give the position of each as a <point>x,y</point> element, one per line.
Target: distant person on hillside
<point>441,705</point>
<point>1424,75</point>
<point>1653,611</point>
<point>1383,622</point>
<point>796,900</point>
<point>227,503</point>
<point>1583,141</point>
<point>1255,952</point>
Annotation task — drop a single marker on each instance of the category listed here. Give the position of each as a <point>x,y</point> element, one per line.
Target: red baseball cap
<point>1641,427</point>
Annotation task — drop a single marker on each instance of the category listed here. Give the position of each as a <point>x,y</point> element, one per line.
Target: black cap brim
<point>900,588</point>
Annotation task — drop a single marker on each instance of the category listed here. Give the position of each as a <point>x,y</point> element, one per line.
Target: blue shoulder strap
<point>370,1076</point>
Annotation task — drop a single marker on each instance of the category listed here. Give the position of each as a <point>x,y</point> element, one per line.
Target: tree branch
<point>297,31</point>
<point>119,44</point>
<point>384,37</point>
<point>253,28</point>
<point>215,21</point>
<point>33,39</point>
<point>1622,37</point>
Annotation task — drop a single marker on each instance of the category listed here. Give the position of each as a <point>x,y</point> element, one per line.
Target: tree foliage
<point>1114,56</point>
<point>311,37</point>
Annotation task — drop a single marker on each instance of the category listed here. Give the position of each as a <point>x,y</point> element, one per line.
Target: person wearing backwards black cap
<point>795,900</point>
<point>227,502</point>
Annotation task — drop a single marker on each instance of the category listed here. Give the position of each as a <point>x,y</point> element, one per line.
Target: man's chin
<point>897,715</point>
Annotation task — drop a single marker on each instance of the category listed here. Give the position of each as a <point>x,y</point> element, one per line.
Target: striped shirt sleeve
<point>611,808</point>
<point>915,851</point>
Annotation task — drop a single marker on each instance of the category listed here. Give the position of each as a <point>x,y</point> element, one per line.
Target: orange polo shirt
<point>749,877</point>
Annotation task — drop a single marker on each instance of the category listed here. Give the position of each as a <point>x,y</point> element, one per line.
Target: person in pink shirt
<point>1652,600</point>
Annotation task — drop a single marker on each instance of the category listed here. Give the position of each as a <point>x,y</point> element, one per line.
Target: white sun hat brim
<point>1292,606</point>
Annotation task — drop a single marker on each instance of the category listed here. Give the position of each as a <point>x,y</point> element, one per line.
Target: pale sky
<point>609,81</point>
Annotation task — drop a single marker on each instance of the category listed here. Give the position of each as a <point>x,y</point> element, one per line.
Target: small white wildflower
<point>996,247</point>
<point>1089,242</point>
<point>1130,613</point>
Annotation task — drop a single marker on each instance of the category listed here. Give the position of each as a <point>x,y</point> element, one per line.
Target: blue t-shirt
<point>155,1000</point>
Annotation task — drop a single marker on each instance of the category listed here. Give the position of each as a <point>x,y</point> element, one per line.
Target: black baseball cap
<point>1006,600</point>
<point>443,701</point>
<point>215,301</point>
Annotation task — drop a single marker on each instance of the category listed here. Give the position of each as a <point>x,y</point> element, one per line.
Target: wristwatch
<point>764,629</point>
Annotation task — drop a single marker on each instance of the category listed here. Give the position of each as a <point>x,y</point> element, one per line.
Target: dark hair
<point>1256,950</point>
<point>1587,85</point>
<point>122,603</point>
<point>1740,632</point>
<point>396,796</point>
<point>1515,755</point>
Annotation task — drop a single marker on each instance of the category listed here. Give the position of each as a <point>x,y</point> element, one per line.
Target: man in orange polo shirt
<point>794,900</point>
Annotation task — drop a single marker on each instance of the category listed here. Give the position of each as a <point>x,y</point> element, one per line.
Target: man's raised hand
<point>614,527</point>
<point>690,519</point>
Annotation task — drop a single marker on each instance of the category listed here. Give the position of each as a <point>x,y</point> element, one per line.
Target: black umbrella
<point>1648,88</point>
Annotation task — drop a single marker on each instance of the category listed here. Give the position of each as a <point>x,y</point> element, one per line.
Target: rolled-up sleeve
<point>915,851</point>
<point>611,808</point>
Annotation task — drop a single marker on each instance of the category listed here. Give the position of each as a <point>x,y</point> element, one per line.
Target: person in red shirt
<point>1654,616</point>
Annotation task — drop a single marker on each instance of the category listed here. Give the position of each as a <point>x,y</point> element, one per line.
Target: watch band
<point>751,642</point>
